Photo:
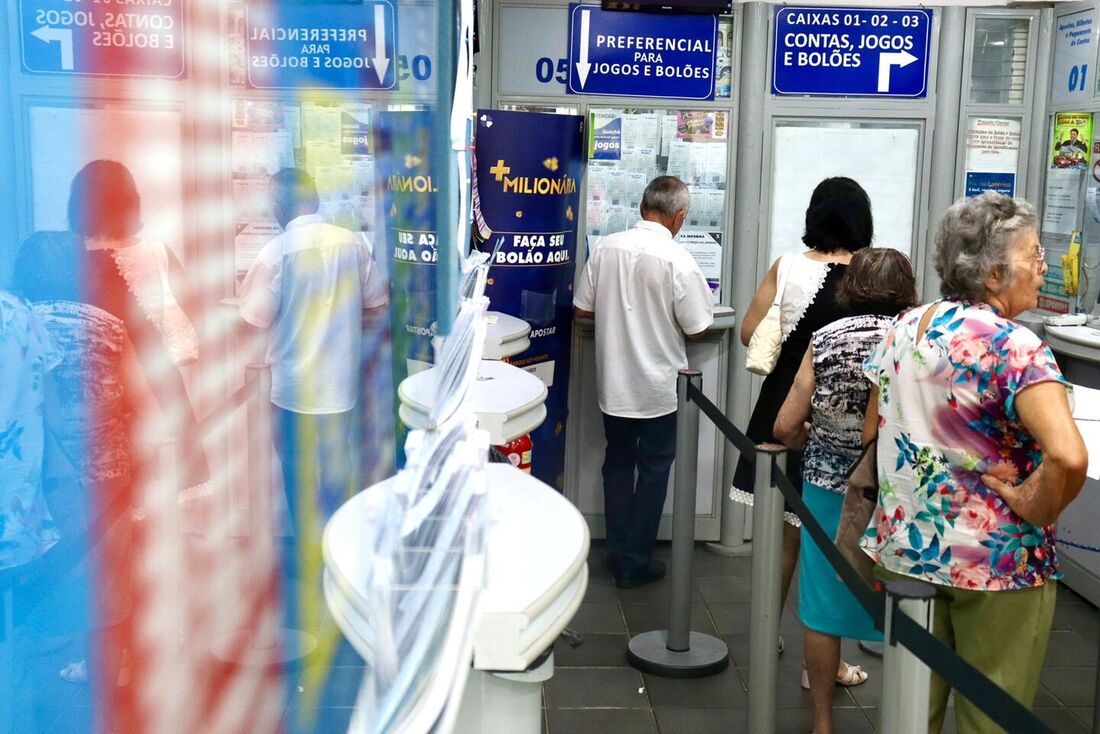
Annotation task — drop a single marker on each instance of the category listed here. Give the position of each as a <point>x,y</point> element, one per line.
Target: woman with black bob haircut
<point>838,223</point>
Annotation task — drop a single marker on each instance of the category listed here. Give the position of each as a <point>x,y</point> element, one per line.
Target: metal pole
<point>260,512</point>
<point>906,680</point>
<point>767,567</point>
<point>683,511</point>
<point>444,165</point>
<point>751,123</point>
<point>941,186</point>
<point>264,648</point>
<point>1038,161</point>
<point>678,652</point>
<point>1096,699</point>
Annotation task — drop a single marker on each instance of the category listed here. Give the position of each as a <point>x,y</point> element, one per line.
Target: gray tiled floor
<point>594,690</point>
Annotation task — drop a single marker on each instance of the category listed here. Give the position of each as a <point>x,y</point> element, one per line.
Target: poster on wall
<point>1070,144</point>
<point>527,175</point>
<point>992,155</point>
<point>402,142</point>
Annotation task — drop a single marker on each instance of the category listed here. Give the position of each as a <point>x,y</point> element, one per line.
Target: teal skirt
<point>824,603</point>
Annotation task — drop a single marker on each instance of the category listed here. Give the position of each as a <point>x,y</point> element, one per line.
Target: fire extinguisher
<point>519,452</point>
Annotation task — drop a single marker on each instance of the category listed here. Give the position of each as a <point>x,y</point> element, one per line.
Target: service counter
<point>584,484</point>
<point>1077,349</point>
<point>536,551</point>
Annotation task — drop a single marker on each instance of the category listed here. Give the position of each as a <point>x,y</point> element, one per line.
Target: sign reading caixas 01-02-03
<point>875,52</point>
<point>107,37</point>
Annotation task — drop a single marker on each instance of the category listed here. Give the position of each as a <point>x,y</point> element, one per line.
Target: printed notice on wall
<point>992,155</point>
<point>706,250</point>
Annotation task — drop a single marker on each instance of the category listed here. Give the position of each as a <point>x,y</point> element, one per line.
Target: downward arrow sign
<point>64,37</point>
<point>900,59</point>
<point>583,67</point>
<point>380,61</point>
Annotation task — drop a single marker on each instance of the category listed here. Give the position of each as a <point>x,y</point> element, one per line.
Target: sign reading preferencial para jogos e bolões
<point>526,204</point>
<point>629,54</point>
<point>348,46</point>
<point>873,52</point>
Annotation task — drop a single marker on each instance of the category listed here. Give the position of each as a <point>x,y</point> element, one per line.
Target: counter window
<point>998,70</point>
<point>629,147</point>
<point>329,140</point>
<point>881,156</point>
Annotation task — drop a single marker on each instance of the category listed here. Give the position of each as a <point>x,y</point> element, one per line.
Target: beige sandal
<point>853,675</point>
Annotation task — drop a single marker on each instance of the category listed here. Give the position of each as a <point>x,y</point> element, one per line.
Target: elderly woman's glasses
<point>1038,255</point>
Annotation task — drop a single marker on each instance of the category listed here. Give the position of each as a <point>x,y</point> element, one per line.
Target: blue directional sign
<point>110,39</point>
<point>320,45</point>
<point>641,55</point>
<point>876,52</point>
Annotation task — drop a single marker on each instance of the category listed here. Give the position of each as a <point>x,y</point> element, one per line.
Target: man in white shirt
<point>310,288</point>
<point>646,294</point>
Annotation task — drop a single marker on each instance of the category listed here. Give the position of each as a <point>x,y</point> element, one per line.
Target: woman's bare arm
<point>760,303</point>
<point>791,427</point>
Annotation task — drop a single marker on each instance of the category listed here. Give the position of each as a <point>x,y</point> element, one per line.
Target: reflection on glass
<point>162,502</point>
<point>999,67</point>
<point>881,156</point>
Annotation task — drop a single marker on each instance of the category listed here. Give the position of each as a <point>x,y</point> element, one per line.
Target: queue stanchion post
<point>1096,698</point>
<point>764,603</point>
<point>270,643</point>
<point>906,679</point>
<point>678,652</point>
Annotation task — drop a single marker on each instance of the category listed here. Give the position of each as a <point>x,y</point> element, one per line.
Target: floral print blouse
<point>947,414</point>
<point>27,529</point>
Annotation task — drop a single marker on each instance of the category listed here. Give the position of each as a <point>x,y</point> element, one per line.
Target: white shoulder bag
<point>767,339</point>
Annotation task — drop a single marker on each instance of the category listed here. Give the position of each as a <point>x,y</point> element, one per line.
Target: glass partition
<point>882,156</point>
<point>629,147</point>
<point>998,71</point>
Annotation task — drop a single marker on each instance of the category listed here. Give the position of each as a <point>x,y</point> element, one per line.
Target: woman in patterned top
<point>838,223</point>
<point>831,391</point>
<point>977,452</point>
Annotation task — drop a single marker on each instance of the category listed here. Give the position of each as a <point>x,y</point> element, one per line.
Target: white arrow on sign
<point>64,37</point>
<point>381,61</point>
<point>583,67</point>
<point>900,59</point>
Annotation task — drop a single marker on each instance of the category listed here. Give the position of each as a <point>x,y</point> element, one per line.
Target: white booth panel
<point>882,157</point>
<point>587,421</point>
<point>148,142</point>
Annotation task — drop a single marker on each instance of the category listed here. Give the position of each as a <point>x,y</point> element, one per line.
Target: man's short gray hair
<point>974,241</point>
<point>666,195</point>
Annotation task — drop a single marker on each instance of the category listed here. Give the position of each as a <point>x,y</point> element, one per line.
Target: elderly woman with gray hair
<point>977,451</point>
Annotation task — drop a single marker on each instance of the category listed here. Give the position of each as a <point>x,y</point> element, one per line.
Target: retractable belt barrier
<point>993,701</point>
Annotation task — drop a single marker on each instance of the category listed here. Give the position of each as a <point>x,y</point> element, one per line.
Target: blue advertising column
<point>527,182</point>
<point>402,141</point>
